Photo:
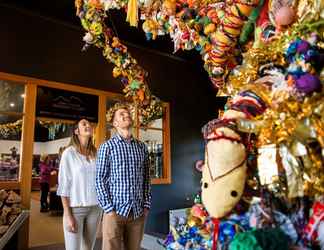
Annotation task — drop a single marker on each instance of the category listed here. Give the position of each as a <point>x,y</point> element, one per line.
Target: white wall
<point>38,148</point>
<point>5,146</point>
<point>50,147</point>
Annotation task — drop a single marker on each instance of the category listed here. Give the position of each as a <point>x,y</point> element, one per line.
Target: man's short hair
<point>112,111</point>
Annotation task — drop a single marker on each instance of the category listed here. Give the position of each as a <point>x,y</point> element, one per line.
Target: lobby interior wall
<point>34,46</point>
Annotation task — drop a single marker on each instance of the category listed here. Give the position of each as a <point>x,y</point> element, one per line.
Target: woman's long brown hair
<point>91,150</point>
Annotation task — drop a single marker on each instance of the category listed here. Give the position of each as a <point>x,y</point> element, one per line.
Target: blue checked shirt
<point>123,176</point>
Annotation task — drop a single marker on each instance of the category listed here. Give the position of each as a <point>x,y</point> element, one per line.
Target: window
<point>11,114</point>
<point>156,136</point>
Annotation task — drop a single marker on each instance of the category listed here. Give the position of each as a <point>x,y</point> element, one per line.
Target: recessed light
<point>12,104</point>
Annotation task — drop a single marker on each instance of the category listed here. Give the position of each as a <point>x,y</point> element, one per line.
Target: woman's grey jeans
<point>87,220</point>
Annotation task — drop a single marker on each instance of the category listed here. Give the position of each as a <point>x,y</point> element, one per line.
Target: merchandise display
<point>155,158</point>
<point>10,208</point>
<point>9,165</point>
<point>8,170</point>
<point>9,162</point>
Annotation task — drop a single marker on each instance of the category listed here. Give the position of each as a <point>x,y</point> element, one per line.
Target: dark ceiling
<point>64,11</point>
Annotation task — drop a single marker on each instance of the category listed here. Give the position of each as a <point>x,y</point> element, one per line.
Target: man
<point>123,185</point>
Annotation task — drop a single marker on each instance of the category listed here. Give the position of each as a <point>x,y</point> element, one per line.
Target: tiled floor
<point>46,232</point>
<point>45,229</point>
<point>61,247</point>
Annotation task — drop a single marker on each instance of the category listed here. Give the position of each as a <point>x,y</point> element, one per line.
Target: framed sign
<point>61,104</point>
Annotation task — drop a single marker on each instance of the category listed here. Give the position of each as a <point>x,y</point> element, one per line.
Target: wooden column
<point>166,144</point>
<point>27,144</point>
<point>101,127</point>
<point>26,159</point>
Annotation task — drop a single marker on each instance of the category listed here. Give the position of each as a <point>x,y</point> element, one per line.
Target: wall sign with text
<point>61,104</point>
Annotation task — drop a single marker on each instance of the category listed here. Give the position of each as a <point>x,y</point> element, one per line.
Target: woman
<point>44,181</point>
<point>77,189</point>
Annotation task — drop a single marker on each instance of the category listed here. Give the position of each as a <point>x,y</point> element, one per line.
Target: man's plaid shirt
<point>123,176</point>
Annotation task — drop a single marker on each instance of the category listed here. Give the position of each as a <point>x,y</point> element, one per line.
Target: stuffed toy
<point>225,167</point>
<point>224,172</point>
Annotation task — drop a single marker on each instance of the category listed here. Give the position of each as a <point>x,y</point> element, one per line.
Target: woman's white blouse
<point>77,178</point>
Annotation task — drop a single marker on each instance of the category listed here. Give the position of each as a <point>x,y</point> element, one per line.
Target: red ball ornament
<point>285,16</point>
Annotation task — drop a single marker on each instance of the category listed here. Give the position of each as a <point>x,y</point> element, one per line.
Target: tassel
<point>132,13</point>
<point>215,235</point>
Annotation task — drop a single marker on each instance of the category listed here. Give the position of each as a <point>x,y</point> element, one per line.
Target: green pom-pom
<point>261,239</point>
<point>247,30</point>
<point>96,28</point>
<point>248,27</point>
<point>245,241</point>
<point>205,20</point>
<point>272,239</point>
<point>85,24</point>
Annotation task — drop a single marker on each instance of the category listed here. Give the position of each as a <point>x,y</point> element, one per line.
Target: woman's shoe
<point>43,210</point>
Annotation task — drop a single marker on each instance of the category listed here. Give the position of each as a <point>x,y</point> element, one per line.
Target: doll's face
<point>220,196</point>
<point>223,176</point>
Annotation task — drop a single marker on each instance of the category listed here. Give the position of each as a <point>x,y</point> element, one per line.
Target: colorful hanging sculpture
<point>275,83</point>
<point>211,28</point>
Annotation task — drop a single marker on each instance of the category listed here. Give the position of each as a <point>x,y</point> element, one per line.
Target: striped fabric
<point>122,177</point>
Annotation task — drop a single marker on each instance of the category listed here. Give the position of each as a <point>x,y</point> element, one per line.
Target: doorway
<point>50,138</point>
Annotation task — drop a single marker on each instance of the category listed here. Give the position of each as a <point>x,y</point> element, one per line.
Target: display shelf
<point>156,181</point>
<point>157,139</point>
<point>14,185</point>
<point>35,184</point>
<point>9,169</point>
<point>14,227</point>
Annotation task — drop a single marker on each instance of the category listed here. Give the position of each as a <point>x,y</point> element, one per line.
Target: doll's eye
<point>205,185</point>
<point>233,193</point>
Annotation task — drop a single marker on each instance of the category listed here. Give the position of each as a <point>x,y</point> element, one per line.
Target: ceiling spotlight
<point>12,104</point>
<point>22,95</point>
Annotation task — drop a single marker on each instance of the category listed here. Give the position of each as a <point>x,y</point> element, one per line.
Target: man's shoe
<point>43,210</point>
